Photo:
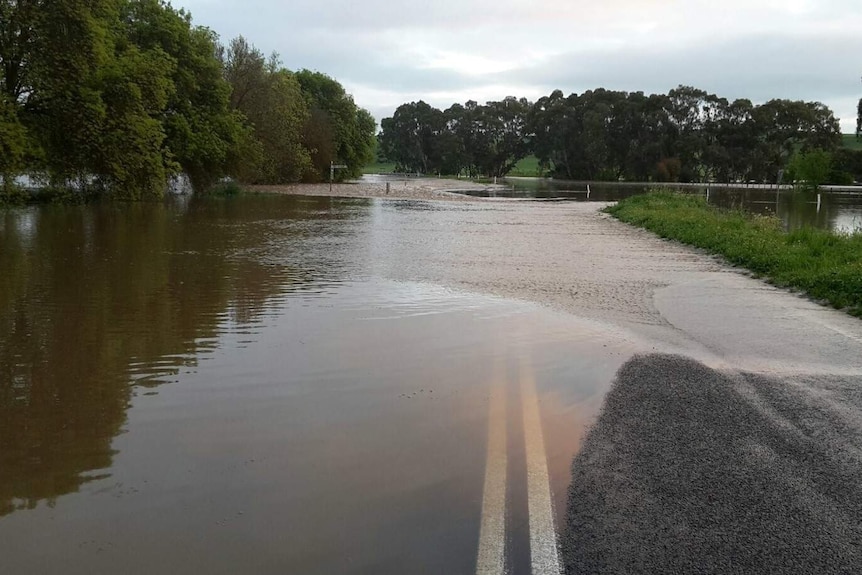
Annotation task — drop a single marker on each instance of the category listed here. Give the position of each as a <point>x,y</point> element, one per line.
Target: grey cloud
<point>368,44</point>
<point>756,67</point>
<point>759,68</point>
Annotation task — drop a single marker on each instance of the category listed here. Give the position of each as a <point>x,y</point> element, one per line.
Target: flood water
<point>241,385</point>
<point>837,211</point>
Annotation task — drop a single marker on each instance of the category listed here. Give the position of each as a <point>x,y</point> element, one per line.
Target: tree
<point>203,134</point>
<point>859,119</point>
<point>318,137</point>
<point>13,146</point>
<point>334,109</point>
<point>811,169</point>
<point>550,122</point>
<point>71,46</point>
<point>500,136</point>
<point>135,88</point>
<point>688,111</point>
<point>271,100</point>
<point>18,33</point>
<point>411,137</point>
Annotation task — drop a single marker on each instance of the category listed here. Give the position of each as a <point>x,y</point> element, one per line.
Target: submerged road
<point>413,386</point>
<point>730,443</point>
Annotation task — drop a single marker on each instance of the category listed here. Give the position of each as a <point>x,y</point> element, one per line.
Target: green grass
<point>378,168</point>
<point>850,141</point>
<point>822,264</point>
<point>527,167</point>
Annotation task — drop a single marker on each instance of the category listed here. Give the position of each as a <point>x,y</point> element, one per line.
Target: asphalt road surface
<point>695,470</point>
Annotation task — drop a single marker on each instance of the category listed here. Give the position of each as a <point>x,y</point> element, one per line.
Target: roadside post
<point>778,189</point>
<point>332,167</point>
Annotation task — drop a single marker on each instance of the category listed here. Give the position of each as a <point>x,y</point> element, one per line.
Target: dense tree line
<point>686,135</point>
<point>859,120</point>
<point>473,139</point>
<point>118,96</point>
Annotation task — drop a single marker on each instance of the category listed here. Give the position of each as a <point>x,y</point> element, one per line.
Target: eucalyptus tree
<point>411,137</point>
<point>500,131</point>
<point>550,122</point>
<point>784,127</point>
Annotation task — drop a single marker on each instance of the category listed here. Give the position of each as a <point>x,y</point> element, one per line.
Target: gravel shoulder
<point>693,470</point>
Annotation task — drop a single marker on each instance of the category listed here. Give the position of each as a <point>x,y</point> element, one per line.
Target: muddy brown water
<point>273,384</point>
<point>235,386</point>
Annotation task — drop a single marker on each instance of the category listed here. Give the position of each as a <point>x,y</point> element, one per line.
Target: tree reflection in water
<point>97,301</point>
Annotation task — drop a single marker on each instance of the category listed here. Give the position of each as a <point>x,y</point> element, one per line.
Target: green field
<point>824,265</point>
<point>527,167</point>
<point>851,142</point>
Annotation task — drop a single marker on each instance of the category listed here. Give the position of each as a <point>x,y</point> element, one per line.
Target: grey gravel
<point>693,470</point>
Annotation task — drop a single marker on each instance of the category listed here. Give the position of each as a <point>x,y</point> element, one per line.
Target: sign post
<point>332,167</point>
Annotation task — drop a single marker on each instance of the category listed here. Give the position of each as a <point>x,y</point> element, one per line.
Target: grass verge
<point>822,264</point>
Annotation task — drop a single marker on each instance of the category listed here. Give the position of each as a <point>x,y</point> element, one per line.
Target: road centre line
<point>491,559</point>
<point>543,536</point>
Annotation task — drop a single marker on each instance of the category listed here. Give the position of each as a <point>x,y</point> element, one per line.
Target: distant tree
<point>810,168</point>
<point>846,166</point>
<point>411,137</point>
<point>459,151</point>
<point>500,136</point>
<point>551,122</point>
<point>859,119</point>
<point>697,117</point>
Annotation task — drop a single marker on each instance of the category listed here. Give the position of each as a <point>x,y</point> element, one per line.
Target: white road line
<point>491,559</point>
<point>543,535</point>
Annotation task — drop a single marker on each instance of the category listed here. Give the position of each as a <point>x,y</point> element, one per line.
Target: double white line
<point>491,559</point>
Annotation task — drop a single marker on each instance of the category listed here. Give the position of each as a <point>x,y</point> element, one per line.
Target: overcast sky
<point>387,52</point>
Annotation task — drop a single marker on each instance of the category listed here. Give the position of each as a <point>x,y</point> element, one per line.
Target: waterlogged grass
<point>824,265</point>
